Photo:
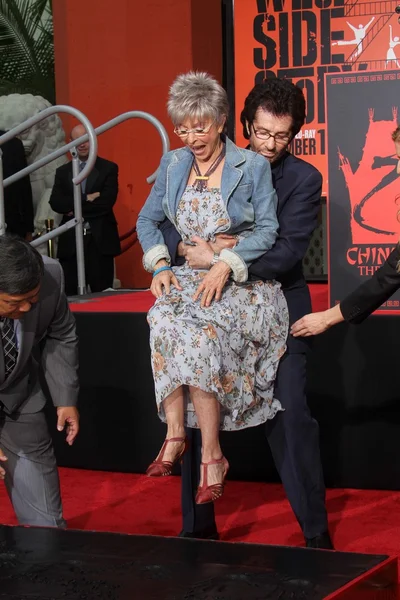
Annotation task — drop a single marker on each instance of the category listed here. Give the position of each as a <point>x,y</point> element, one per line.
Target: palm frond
<point>26,46</point>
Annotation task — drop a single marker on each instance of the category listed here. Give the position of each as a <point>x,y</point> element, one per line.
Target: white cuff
<point>152,256</point>
<point>240,272</point>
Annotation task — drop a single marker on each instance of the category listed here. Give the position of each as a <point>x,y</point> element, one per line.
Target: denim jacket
<point>249,196</point>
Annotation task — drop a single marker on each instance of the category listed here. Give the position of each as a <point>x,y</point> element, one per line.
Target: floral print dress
<point>231,349</point>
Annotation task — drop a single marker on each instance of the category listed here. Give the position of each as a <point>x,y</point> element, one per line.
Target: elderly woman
<point>216,339</point>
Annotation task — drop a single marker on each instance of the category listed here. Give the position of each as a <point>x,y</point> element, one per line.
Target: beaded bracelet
<point>165,268</point>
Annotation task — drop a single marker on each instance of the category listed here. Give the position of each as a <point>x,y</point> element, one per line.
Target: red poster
<point>364,187</point>
<point>303,40</point>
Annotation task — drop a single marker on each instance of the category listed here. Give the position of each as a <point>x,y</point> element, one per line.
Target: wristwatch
<point>214,259</point>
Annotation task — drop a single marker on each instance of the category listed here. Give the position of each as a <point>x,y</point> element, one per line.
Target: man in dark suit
<point>18,203</point>
<point>37,333</point>
<point>367,298</point>
<point>274,113</point>
<point>101,239</point>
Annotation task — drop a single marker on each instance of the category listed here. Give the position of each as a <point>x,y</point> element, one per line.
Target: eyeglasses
<point>198,131</point>
<point>280,138</point>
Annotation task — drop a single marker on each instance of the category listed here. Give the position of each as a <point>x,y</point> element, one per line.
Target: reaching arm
<point>316,323</point>
<point>369,296</point>
<point>358,305</point>
<point>298,221</point>
<point>369,23</point>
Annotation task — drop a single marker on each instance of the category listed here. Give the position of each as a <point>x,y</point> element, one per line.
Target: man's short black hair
<point>21,266</point>
<point>280,97</point>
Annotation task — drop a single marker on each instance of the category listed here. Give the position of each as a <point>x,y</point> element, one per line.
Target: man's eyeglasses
<point>198,131</point>
<point>263,134</point>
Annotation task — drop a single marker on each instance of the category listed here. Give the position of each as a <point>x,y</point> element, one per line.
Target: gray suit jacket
<point>48,339</point>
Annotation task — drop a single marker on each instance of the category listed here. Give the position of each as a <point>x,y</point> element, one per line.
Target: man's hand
<point>200,255</point>
<point>182,249</point>
<point>68,418</point>
<point>222,241</point>
<point>91,197</point>
<point>213,284</point>
<point>3,458</point>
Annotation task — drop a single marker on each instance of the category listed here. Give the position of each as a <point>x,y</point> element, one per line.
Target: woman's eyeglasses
<point>198,131</point>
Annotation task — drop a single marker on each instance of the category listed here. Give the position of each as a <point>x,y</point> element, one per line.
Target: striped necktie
<point>9,343</point>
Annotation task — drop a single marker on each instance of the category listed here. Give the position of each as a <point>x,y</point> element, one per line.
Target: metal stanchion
<point>50,243</point>
<point>80,257</point>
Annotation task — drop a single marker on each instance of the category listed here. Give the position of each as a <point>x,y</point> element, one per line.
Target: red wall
<point>112,57</point>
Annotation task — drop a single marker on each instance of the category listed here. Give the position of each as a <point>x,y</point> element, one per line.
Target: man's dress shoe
<point>322,541</point>
<point>202,534</point>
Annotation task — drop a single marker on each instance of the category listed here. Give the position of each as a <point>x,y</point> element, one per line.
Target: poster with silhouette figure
<point>302,40</point>
<point>364,188</point>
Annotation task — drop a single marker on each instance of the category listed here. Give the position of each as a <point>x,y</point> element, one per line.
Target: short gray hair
<point>196,95</point>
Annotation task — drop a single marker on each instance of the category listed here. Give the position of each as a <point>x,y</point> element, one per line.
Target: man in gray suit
<point>37,333</point>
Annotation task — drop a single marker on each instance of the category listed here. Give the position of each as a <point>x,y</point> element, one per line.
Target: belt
<point>87,231</point>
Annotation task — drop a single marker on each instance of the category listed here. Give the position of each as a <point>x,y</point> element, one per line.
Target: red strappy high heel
<point>160,467</point>
<point>208,493</point>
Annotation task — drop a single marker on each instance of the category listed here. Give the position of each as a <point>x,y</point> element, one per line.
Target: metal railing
<point>77,221</point>
<point>77,177</point>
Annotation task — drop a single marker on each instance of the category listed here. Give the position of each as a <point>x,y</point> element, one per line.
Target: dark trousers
<point>293,436</point>
<point>98,267</point>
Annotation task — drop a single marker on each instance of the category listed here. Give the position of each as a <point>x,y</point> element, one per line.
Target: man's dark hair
<point>21,266</point>
<point>279,97</point>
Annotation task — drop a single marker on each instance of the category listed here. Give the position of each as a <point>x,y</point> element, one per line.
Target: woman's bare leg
<point>207,410</point>
<point>171,451</point>
<point>174,414</point>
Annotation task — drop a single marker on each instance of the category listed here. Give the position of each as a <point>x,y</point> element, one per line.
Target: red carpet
<point>360,521</point>
<point>142,301</point>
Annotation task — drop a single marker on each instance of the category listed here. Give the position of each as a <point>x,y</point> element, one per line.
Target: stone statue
<point>39,141</point>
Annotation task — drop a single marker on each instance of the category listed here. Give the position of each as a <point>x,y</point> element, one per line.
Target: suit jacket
<point>369,296</point>
<point>18,201</point>
<point>298,185</point>
<point>98,213</point>
<point>48,340</point>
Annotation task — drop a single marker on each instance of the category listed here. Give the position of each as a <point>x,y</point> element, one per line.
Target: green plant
<point>27,48</point>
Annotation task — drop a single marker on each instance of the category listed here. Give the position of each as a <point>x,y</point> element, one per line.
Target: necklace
<point>200,183</point>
